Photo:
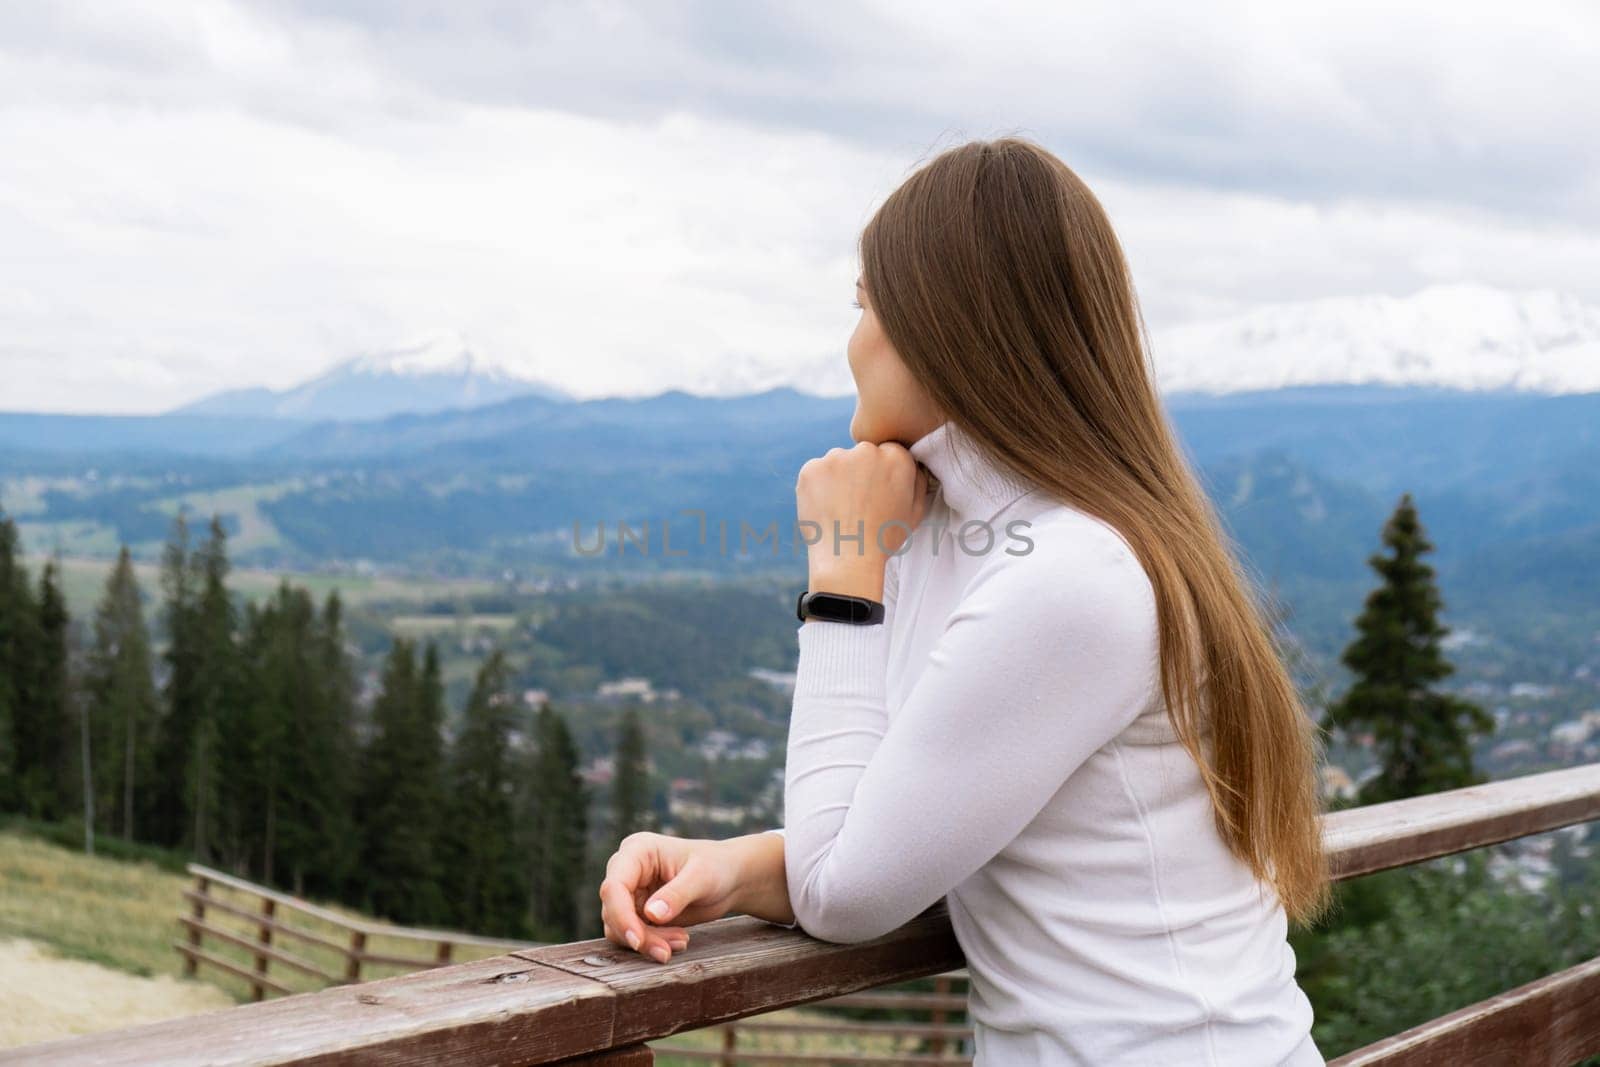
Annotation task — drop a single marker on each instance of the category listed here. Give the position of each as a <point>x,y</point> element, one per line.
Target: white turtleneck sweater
<point>1002,741</point>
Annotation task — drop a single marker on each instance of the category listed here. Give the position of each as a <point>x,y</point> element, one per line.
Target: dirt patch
<point>43,996</point>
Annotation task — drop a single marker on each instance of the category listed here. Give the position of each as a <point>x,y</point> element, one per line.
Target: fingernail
<point>660,953</point>
<point>633,940</point>
<point>657,908</point>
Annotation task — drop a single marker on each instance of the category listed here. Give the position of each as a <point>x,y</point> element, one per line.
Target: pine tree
<point>337,728</point>
<point>249,747</point>
<point>39,717</point>
<point>403,792</point>
<point>302,828</point>
<point>488,883</point>
<point>555,822</point>
<point>19,619</point>
<point>1423,736</point>
<point>216,683</point>
<point>630,781</point>
<point>171,822</point>
<point>122,706</point>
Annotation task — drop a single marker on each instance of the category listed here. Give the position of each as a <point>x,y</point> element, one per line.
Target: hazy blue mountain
<point>50,439</point>
<point>438,373</point>
<point>1508,484</point>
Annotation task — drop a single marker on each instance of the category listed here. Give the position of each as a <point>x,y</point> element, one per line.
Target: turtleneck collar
<point>973,485</point>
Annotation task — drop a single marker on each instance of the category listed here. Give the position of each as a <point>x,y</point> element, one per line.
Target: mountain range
<point>1453,336</point>
<point>1504,465</point>
<point>1450,336</point>
<point>437,372</point>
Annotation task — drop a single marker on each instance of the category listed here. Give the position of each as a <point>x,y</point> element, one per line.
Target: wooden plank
<point>744,1055</point>
<point>913,1029</point>
<point>499,1010</point>
<point>891,1001</point>
<point>410,963</point>
<point>287,900</point>
<point>1551,1022</point>
<point>264,936</point>
<point>346,922</point>
<point>288,959</point>
<point>542,1004</point>
<point>278,925</point>
<point>198,899</point>
<point>742,966</point>
<point>200,956</point>
<point>1378,837</point>
<point>632,1056</point>
<point>910,1028</point>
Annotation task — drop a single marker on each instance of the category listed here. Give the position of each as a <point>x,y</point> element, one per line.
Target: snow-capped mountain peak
<point>438,352</point>
<point>435,371</point>
<point>1463,336</point>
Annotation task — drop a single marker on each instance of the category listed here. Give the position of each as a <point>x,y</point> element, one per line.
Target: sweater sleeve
<point>1046,658</point>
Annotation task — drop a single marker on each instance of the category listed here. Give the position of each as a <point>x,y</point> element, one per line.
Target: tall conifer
<point>19,620</point>
<point>122,705</point>
<point>1423,737</point>
<point>630,781</point>
<point>402,791</point>
<point>555,822</point>
<point>488,882</point>
<point>171,823</point>
<point>39,717</point>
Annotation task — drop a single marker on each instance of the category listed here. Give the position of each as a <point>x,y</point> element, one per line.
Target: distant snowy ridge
<point>436,372</point>
<point>440,352</point>
<point>1457,336</point>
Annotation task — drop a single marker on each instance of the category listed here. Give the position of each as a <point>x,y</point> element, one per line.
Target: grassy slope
<point>121,913</point>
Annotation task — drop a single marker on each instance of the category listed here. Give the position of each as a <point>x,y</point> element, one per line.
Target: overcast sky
<point>621,197</point>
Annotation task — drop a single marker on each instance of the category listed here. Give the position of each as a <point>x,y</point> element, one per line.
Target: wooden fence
<point>331,948</point>
<point>593,1002</point>
<point>921,1018</point>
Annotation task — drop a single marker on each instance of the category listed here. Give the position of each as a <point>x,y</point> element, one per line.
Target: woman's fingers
<point>630,874</point>
<point>676,942</point>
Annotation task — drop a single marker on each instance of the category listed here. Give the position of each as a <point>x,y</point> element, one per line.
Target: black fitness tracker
<point>837,607</point>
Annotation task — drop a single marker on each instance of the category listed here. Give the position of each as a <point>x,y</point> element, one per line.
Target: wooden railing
<point>592,1002</point>
<point>920,1018</point>
<point>331,948</point>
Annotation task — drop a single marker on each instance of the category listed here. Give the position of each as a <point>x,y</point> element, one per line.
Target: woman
<point>1073,722</point>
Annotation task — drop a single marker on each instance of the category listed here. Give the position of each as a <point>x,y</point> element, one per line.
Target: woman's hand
<point>865,502</point>
<point>695,880</point>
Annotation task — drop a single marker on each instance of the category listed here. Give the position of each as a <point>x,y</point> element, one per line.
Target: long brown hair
<point>996,275</point>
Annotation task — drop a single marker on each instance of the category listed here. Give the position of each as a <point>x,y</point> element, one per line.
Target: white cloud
<point>627,198</point>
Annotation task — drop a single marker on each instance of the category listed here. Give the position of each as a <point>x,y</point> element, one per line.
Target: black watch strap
<point>838,607</point>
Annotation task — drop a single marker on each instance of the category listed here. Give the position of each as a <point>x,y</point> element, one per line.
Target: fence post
<point>941,987</point>
<point>442,957</point>
<point>730,1044</point>
<point>269,908</point>
<point>202,888</point>
<point>358,946</point>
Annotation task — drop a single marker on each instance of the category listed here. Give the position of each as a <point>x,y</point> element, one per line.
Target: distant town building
<point>599,771</point>
<point>780,680</point>
<point>725,744</point>
<point>1571,733</point>
<point>1336,782</point>
<point>686,800</point>
<point>626,689</point>
<point>1519,748</point>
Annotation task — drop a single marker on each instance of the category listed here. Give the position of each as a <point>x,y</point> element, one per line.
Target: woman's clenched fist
<point>855,508</point>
